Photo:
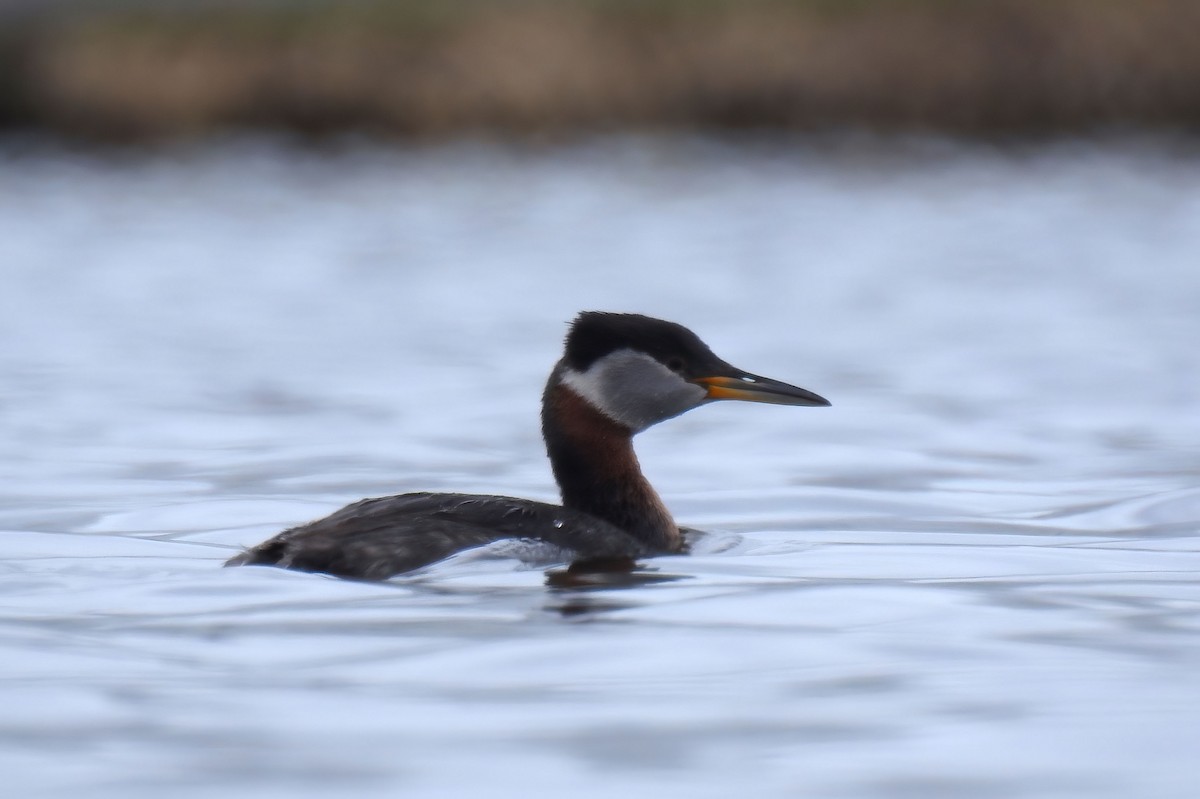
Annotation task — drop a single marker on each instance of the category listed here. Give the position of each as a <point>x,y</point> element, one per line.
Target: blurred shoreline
<point>529,68</point>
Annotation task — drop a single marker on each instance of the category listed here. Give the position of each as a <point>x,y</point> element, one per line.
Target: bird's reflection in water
<point>576,590</point>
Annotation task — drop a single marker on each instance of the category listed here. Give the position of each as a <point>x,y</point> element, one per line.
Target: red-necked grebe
<point>619,374</point>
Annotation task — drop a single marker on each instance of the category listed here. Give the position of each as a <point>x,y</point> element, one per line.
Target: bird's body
<point>374,539</point>
<point>620,373</point>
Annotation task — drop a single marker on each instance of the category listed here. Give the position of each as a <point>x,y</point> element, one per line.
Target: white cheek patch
<point>634,389</point>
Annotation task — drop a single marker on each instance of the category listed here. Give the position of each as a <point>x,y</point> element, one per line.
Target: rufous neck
<point>597,471</point>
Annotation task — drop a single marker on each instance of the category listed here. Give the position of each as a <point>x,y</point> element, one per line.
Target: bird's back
<point>374,539</point>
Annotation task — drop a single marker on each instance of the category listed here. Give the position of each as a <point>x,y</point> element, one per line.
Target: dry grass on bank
<point>524,66</point>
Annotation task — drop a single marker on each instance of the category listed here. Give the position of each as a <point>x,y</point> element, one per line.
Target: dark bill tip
<point>752,388</point>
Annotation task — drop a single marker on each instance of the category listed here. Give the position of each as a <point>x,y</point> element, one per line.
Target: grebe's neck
<point>597,471</point>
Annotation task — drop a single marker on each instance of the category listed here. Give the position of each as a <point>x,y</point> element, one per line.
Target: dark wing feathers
<point>374,539</point>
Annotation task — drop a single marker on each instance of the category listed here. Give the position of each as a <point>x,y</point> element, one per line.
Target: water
<point>973,576</point>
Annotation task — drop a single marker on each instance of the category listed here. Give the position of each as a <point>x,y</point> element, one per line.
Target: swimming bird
<point>618,375</point>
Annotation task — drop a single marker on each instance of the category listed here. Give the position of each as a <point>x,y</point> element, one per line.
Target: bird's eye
<point>675,364</point>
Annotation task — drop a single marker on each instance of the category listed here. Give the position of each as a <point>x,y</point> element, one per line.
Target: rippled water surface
<point>974,576</point>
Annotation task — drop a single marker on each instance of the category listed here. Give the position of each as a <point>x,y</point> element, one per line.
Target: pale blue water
<point>974,576</point>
